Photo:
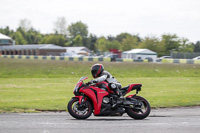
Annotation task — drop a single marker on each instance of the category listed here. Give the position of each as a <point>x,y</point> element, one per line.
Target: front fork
<point>81,100</point>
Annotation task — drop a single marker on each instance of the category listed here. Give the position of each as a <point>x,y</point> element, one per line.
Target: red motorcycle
<point>91,97</point>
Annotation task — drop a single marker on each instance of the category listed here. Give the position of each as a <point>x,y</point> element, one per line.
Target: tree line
<point>77,34</point>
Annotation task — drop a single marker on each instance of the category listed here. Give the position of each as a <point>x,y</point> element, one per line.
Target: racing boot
<point>120,95</point>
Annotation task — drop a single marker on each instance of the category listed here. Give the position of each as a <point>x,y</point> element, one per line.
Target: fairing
<point>96,95</point>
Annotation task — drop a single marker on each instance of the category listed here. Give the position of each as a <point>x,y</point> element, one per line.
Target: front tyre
<point>78,111</point>
<point>139,112</point>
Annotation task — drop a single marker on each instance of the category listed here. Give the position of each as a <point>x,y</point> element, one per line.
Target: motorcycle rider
<point>100,75</point>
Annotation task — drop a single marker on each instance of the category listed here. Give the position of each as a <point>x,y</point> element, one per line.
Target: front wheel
<point>78,111</point>
<point>139,112</point>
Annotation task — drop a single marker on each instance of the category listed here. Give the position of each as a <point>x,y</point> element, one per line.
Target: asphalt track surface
<point>167,120</point>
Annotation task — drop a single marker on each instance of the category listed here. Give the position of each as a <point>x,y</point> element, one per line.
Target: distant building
<point>140,54</point>
<point>5,40</point>
<point>32,49</point>
<point>71,51</point>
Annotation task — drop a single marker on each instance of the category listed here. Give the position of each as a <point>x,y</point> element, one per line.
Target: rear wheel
<point>139,112</point>
<point>78,111</point>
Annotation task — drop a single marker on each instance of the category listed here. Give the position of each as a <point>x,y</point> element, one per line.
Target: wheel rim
<point>80,110</point>
<point>140,109</point>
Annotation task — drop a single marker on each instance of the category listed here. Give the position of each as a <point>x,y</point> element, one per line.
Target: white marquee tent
<point>140,54</point>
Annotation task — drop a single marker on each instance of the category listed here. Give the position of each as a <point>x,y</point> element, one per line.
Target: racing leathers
<point>112,82</point>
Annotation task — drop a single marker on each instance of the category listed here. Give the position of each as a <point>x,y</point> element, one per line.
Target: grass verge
<point>31,86</point>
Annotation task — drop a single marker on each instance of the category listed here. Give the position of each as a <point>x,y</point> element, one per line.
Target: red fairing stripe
<point>98,71</point>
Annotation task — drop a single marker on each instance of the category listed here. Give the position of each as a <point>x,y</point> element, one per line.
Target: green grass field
<point>31,85</point>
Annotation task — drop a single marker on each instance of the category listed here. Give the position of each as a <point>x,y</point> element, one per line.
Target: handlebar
<point>90,82</point>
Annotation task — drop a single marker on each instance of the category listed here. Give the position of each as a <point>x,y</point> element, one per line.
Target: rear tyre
<point>77,111</point>
<point>139,112</point>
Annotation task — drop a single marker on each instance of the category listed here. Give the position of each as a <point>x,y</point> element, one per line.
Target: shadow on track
<point>103,119</point>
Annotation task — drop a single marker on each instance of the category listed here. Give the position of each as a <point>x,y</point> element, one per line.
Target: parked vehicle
<point>71,55</point>
<point>89,98</point>
<point>163,57</point>
<point>149,59</point>
<point>112,56</point>
<point>196,58</point>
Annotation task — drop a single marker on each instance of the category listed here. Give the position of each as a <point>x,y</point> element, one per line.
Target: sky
<point>108,17</point>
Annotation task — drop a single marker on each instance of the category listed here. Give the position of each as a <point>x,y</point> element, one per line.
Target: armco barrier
<point>196,61</point>
<point>181,61</point>
<point>176,61</point>
<point>71,58</point>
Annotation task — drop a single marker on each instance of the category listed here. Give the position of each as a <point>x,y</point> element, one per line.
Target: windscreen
<point>82,78</point>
